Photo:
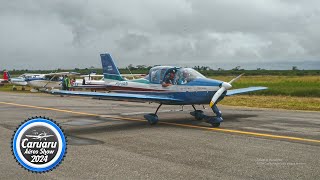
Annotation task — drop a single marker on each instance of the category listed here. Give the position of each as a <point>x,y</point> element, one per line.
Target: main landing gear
<point>153,118</point>
<point>214,121</point>
<point>198,114</point>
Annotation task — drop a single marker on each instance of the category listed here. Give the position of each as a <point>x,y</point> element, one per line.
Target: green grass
<point>8,88</point>
<point>275,102</point>
<point>299,86</point>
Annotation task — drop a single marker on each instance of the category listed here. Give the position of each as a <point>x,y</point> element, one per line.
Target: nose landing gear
<point>153,118</point>
<point>214,121</point>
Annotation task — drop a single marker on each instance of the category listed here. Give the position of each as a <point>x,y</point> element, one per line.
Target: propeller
<point>223,87</point>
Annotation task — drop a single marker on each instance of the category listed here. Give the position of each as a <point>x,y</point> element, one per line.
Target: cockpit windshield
<point>185,75</point>
<point>173,75</point>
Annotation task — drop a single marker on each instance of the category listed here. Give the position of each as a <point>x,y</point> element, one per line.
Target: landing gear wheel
<point>198,114</point>
<point>214,121</point>
<point>152,118</point>
<point>215,124</point>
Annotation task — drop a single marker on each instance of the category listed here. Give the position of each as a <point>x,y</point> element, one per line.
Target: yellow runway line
<point>174,124</point>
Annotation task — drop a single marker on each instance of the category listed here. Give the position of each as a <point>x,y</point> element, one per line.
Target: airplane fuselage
<point>40,83</point>
<point>19,81</point>
<point>200,91</point>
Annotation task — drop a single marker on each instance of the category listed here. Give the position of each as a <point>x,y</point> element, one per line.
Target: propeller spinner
<point>224,86</point>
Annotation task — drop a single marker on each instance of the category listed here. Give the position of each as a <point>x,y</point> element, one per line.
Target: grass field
<point>285,92</point>
<point>299,86</point>
<point>275,102</point>
<point>8,88</point>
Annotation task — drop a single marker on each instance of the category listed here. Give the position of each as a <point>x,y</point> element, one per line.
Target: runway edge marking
<point>169,123</point>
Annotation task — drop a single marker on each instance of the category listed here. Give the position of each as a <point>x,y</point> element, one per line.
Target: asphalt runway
<point>111,140</point>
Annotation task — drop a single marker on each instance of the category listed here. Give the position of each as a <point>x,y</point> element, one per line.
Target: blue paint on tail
<point>110,70</point>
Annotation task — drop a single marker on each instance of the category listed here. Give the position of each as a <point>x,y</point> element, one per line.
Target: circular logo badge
<point>39,144</point>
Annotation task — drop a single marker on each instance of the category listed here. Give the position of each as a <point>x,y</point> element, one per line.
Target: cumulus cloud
<point>68,34</point>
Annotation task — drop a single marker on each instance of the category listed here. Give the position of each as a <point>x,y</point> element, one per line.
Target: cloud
<point>68,34</point>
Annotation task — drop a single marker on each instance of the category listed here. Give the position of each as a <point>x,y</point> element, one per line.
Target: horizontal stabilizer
<point>244,90</point>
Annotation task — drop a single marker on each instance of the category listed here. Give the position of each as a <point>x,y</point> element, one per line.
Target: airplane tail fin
<point>6,75</point>
<point>110,70</point>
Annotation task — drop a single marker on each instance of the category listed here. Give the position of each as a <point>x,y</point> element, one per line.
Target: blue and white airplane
<point>49,81</point>
<point>23,79</point>
<point>166,85</point>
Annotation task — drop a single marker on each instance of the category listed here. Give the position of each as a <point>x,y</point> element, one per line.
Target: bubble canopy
<point>158,75</point>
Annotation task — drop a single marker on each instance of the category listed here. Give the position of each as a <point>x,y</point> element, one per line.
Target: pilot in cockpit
<point>169,79</point>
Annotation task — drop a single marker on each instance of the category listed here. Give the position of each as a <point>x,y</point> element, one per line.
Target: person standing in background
<point>64,83</point>
<point>67,83</point>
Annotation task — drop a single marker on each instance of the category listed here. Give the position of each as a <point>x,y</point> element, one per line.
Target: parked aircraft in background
<point>166,85</point>
<point>49,81</point>
<point>90,79</point>
<point>96,82</point>
<point>22,79</point>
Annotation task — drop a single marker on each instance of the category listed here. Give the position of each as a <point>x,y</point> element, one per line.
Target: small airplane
<point>166,85</point>
<point>96,82</point>
<point>47,81</point>
<point>40,136</point>
<point>23,79</point>
<point>90,79</point>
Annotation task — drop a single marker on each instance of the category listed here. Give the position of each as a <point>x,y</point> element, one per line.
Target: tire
<point>215,125</point>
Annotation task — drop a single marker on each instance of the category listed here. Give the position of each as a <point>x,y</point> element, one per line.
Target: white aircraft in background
<point>90,79</point>
<point>96,82</point>
<point>98,79</point>
<point>22,79</point>
<point>49,81</point>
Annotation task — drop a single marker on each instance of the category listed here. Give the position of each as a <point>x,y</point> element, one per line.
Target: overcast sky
<point>49,34</point>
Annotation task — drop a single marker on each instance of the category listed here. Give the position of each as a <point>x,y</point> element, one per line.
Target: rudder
<point>110,70</point>
<point>6,75</point>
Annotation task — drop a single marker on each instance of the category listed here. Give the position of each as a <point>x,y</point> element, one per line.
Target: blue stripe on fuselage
<point>187,98</point>
<point>42,79</point>
<point>33,79</point>
<point>204,82</point>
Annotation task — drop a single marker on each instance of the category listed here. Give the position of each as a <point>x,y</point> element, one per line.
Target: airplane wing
<point>92,75</point>
<point>64,73</point>
<point>118,96</point>
<point>244,90</point>
<point>90,86</point>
